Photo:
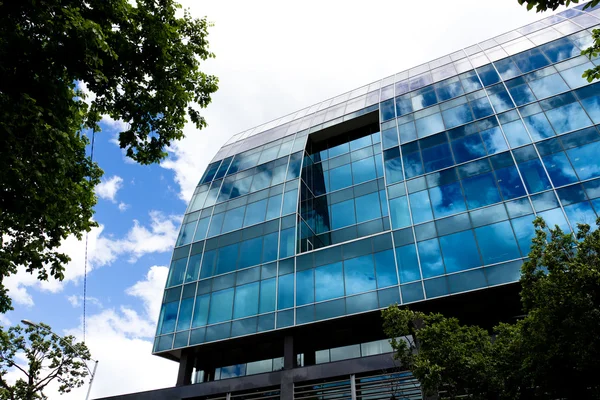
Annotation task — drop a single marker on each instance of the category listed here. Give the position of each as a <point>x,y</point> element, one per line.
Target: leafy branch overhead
<point>592,51</point>
<point>141,62</point>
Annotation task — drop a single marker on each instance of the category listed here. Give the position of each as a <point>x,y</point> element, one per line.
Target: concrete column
<point>186,366</point>
<point>289,359</point>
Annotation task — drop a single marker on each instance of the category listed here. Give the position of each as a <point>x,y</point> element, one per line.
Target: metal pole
<point>92,380</point>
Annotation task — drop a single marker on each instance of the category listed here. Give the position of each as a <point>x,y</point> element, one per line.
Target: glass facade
<point>290,226</point>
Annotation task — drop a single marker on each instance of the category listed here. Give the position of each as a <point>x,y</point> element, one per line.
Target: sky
<point>272,58</point>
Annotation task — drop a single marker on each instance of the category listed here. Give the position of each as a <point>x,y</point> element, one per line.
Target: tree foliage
<point>553,352</point>
<point>141,62</point>
<point>49,358</point>
<point>590,52</point>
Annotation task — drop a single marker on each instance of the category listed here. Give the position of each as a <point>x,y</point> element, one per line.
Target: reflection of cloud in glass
<point>568,118</point>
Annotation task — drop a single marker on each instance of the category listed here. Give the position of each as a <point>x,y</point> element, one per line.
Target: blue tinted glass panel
<point>393,165</point>
<point>201,311</point>
<point>497,243</point>
<point>399,212</point>
<point>364,302</point>
<point>285,289</point>
<point>177,271</point>
<point>559,168</point>
<point>329,282</point>
<point>534,176</point>
<point>403,105</point>
<point>555,217</point>
<point>428,125</point>
<point>290,200</point>
<point>342,214</point>
<point>255,212</point>
<point>250,252</point>
<point>359,274</point>
<point>538,126</point>
<point>408,265</point>
<point>499,98</point>
<point>494,140</point>
<point>270,247</point>
<point>385,268</point>
<point>305,287</point>
<point>530,60</point>
<point>488,75</point>
<point>267,296</point>
<point>548,86</point>
<point>515,133</point>
<point>449,90</point>
<point>457,116</point>
<point>412,164</point>
<point>363,170</point>
<point>592,106</point>
<point>208,263</point>
<point>226,259</point>
<point>246,300</point>
<point>274,207</point>
<point>221,306</point>
<point>431,258</point>
<point>387,110</point>
<point>468,148</point>
<point>510,182</point>
<point>460,251</point>
<point>436,287</point>
<point>286,243</point>
<point>437,157</point>
<point>340,177</point>
<point>481,190</point>
<point>201,229</point>
<point>466,281</point>
<point>568,118</point>
<point>524,231</point>
<point>447,200</point>
<point>423,98</point>
<point>168,315</point>
<point>412,292</point>
<point>389,138</point>
<point>584,160</point>
<point>581,213</point>
<point>367,207</point>
<point>559,50</point>
<point>215,225</point>
<point>520,91</point>
<point>421,207</point>
<point>185,314</point>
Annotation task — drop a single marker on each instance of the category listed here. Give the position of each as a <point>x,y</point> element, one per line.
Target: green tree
<point>49,358</point>
<point>553,352</point>
<point>593,50</point>
<point>141,60</point>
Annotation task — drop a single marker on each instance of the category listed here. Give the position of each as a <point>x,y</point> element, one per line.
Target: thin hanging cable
<point>86,249</point>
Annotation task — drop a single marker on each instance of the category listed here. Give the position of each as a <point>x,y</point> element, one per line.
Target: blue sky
<point>272,58</point>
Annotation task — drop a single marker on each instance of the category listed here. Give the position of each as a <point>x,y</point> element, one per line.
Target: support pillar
<point>288,353</point>
<point>186,366</point>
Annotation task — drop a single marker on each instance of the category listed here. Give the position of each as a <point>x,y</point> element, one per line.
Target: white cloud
<point>158,237</point>
<point>107,189</point>
<point>77,301</point>
<point>123,206</point>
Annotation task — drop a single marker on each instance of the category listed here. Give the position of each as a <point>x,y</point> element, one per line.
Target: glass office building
<point>416,189</point>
